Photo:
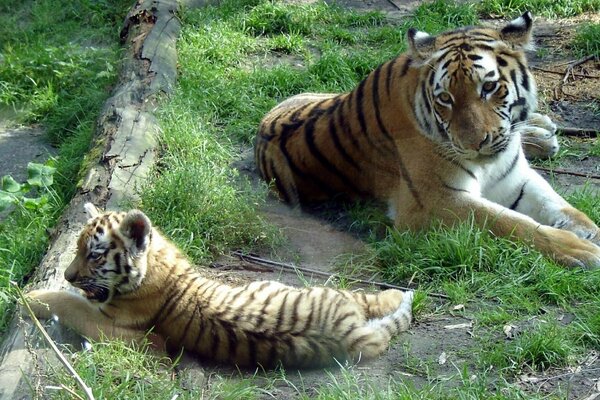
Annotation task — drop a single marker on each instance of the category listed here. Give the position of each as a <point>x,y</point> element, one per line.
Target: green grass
<point>119,371</point>
<point>587,41</point>
<point>543,8</point>
<point>58,75</point>
<point>441,15</point>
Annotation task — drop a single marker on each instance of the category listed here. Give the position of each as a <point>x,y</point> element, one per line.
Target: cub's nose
<point>70,275</point>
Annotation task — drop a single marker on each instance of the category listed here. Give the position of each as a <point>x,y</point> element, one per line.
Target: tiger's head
<point>475,86</point>
<point>111,254</point>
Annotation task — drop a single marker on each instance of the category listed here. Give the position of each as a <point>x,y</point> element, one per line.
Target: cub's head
<point>475,86</point>
<point>111,253</point>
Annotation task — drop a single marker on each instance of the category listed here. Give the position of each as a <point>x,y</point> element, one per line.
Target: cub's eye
<point>95,256</point>
<point>489,87</point>
<point>445,98</point>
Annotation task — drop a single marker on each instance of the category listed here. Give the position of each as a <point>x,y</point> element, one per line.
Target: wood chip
<point>459,326</point>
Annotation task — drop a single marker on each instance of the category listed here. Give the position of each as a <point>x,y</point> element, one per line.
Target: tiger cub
<point>438,134</point>
<point>134,280</point>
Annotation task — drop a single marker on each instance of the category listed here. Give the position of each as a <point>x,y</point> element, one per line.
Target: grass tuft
<point>587,41</point>
<point>116,370</point>
<point>544,8</point>
<point>543,346</point>
<point>441,15</point>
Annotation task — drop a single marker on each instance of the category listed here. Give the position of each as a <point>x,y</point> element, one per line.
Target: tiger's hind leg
<point>373,338</point>
<point>376,305</point>
<point>275,170</point>
<point>538,137</point>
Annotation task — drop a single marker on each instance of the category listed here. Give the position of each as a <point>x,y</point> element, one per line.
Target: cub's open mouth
<point>96,293</point>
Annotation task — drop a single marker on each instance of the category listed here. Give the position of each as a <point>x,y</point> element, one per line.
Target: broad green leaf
<point>33,203</point>
<point>40,175</point>
<point>6,200</point>
<point>10,185</point>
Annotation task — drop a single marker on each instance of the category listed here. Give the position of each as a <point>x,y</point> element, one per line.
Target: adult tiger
<point>134,280</point>
<point>437,134</point>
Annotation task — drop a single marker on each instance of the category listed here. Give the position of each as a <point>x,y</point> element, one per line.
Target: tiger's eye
<point>444,97</point>
<point>489,86</point>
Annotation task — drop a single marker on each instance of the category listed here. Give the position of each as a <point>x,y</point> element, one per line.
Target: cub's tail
<point>372,339</point>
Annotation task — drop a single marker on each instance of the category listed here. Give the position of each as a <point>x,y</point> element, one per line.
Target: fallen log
<point>125,139</point>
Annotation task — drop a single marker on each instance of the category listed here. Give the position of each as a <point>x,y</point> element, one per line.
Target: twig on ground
<point>573,131</point>
<point>549,378</point>
<point>570,67</point>
<point>86,389</point>
<point>561,73</point>
<point>566,172</point>
<point>395,5</point>
<point>294,268</point>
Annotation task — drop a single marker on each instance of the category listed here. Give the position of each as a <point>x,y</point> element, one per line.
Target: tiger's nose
<point>486,140</point>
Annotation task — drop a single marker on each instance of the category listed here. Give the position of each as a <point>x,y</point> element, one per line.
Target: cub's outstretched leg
<point>78,313</point>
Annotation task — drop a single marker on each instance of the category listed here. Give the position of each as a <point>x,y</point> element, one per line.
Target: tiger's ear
<point>518,32</point>
<point>91,210</point>
<point>421,44</point>
<point>137,227</point>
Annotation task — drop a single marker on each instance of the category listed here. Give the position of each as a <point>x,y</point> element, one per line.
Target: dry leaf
<point>508,331</point>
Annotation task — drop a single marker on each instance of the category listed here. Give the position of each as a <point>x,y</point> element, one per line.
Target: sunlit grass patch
<point>545,8</point>
<point>441,15</point>
<point>116,370</point>
<point>540,347</point>
<point>587,41</point>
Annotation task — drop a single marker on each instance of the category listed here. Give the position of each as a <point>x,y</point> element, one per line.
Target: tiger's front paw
<point>38,300</point>
<point>568,249</point>
<point>538,137</point>
<point>580,224</point>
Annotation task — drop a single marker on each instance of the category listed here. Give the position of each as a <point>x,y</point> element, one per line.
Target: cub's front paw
<point>538,137</point>
<point>568,249</point>
<point>38,301</point>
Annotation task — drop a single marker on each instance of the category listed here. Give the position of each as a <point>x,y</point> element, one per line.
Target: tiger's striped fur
<point>438,133</point>
<point>135,280</point>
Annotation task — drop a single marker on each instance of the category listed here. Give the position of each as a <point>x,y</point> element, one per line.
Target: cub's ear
<point>421,44</point>
<point>91,210</point>
<point>137,227</point>
<point>518,32</point>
